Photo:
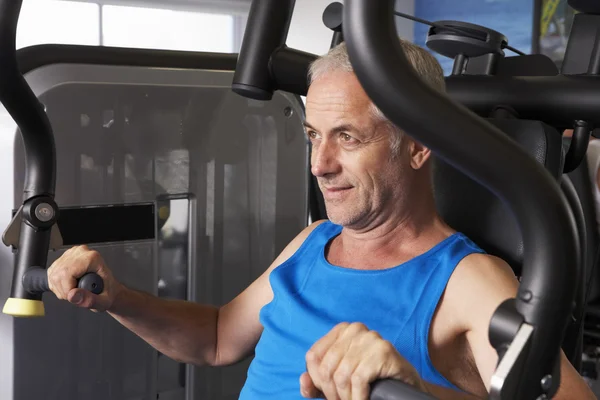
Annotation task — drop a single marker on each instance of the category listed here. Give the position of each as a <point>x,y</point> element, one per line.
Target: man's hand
<point>343,364</point>
<point>72,265</point>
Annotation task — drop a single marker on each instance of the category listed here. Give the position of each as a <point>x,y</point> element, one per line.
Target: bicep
<point>238,326</point>
<point>496,284</point>
<point>485,285</point>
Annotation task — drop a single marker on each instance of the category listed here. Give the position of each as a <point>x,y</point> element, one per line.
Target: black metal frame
<point>536,25</point>
<point>40,178</point>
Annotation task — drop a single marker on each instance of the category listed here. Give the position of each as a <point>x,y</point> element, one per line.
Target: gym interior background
<point>218,26</point>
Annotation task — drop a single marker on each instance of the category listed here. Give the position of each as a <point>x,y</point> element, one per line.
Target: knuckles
<point>346,373</point>
<point>342,376</point>
<point>74,262</point>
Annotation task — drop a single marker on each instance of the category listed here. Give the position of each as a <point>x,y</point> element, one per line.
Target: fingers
<point>308,388</point>
<point>372,366</point>
<point>73,264</point>
<point>321,362</point>
<point>339,360</point>
<point>86,299</point>
<point>348,359</point>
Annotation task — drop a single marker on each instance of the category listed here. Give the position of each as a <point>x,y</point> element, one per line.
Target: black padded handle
<point>35,280</point>
<point>578,147</point>
<point>390,389</point>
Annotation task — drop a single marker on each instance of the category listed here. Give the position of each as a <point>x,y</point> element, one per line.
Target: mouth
<point>335,192</point>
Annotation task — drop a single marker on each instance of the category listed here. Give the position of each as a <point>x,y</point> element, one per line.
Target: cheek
<point>363,169</point>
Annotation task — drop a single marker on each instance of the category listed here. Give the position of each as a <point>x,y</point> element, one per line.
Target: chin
<point>339,217</point>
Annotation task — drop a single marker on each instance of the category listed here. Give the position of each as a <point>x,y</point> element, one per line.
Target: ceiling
<point>239,7</point>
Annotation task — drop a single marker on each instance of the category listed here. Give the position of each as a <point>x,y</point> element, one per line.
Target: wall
<point>307,32</point>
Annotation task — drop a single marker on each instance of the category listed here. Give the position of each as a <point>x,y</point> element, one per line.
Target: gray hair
<point>424,64</point>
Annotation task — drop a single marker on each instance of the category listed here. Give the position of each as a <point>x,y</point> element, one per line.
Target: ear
<point>418,153</point>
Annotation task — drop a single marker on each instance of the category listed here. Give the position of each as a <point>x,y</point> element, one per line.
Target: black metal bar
<point>24,107</point>
<point>536,26</point>
<point>594,68</point>
<point>30,239</point>
<point>337,38</point>
<point>39,210</point>
<point>575,326</point>
<point>557,100</point>
<point>266,31</point>
<point>35,280</point>
<point>460,63</point>
<point>582,38</point>
<point>30,58</point>
<point>289,69</point>
<point>394,390</point>
<point>485,154</point>
<point>578,146</point>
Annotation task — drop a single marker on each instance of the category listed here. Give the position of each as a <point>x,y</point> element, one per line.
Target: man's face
<point>351,155</point>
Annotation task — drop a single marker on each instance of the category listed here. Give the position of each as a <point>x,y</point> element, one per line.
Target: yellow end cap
<point>163,212</point>
<point>24,307</point>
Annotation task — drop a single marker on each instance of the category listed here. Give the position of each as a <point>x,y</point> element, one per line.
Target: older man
<point>382,289</point>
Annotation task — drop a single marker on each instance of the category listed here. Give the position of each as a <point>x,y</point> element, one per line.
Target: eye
<point>347,138</point>
<point>312,134</point>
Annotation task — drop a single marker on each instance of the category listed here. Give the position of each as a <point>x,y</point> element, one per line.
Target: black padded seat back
<point>580,177</point>
<point>473,210</point>
<point>573,339</point>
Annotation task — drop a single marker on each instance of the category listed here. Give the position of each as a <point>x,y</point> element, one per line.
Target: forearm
<point>182,330</point>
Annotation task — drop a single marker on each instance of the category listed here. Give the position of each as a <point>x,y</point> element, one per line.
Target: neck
<point>406,231</point>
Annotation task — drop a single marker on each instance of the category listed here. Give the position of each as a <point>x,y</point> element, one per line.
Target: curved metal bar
<point>485,154</point>
<point>578,147</point>
<point>39,211</point>
<point>24,107</point>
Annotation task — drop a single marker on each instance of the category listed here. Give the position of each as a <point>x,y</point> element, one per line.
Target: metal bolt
<point>44,212</point>
<point>288,112</point>
<point>542,397</point>
<point>526,296</point>
<point>546,383</point>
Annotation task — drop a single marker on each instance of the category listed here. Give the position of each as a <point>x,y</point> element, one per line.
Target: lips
<point>335,192</point>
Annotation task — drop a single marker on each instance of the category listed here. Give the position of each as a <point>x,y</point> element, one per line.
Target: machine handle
<point>39,210</point>
<point>389,389</point>
<point>35,280</point>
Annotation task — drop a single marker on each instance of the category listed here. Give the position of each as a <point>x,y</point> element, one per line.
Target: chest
<point>308,303</point>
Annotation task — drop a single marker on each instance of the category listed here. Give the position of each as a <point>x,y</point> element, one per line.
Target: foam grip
<point>92,283</point>
<point>35,280</point>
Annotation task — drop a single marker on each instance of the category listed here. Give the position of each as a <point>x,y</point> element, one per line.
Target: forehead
<point>337,91</point>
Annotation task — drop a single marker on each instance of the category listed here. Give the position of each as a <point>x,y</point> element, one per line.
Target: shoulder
<point>295,244</point>
<point>478,285</point>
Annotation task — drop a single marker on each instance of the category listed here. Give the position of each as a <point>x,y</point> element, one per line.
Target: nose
<point>324,159</point>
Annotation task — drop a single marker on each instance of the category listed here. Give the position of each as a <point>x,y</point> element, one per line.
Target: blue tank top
<point>311,296</point>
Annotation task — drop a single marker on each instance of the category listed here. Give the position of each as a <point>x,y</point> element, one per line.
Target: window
<point>88,23</point>
<point>55,21</point>
<point>165,29</point>
<point>512,18</point>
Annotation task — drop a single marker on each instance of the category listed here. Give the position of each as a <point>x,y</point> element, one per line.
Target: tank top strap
<point>442,268</point>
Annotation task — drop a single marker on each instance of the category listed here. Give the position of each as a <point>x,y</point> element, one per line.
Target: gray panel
<point>7,133</point>
<point>136,135</point>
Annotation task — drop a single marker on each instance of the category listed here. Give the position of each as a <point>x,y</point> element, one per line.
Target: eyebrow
<point>337,129</point>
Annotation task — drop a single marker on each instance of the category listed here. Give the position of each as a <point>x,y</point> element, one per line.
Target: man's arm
<point>239,327</point>
<point>343,363</point>
<point>479,284</point>
<point>184,331</point>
